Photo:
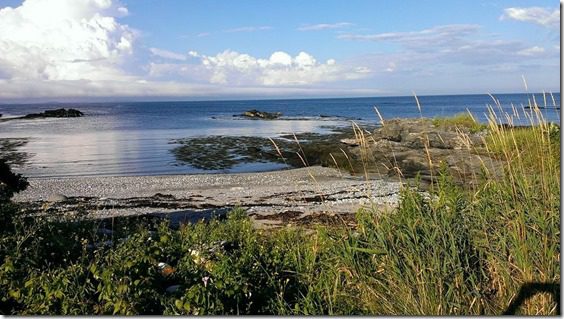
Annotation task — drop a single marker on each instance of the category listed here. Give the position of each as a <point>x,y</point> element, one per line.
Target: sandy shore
<point>270,198</point>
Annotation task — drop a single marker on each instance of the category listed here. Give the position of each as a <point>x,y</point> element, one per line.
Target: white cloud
<point>63,40</point>
<point>549,18</point>
<point>280,69</point>
<point>236,30</point>
<point>324,26</point>
<point>248,29</point>
<point>532,51</point>
<point>391,67</point>
<point>167,54</point>
<point>123,11</point>
<point>439,35</point>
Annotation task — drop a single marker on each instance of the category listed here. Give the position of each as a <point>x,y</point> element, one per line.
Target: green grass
<point>454,252</point>
<point>462,120</point>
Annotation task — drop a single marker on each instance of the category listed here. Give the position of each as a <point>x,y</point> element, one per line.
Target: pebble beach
<point>307,191</point>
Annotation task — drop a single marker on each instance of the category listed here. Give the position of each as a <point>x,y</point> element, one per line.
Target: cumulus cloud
<point>63,40</point>
<point>324,26</point>
<point>280,69</point>
<point>549,18</point>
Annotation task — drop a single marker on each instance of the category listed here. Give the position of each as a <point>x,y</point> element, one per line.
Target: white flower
<point>205,280</point>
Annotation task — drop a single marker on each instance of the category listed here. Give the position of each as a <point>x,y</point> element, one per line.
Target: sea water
<point>136,138</point>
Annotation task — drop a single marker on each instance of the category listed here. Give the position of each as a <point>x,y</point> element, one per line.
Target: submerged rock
<point>224,152</point>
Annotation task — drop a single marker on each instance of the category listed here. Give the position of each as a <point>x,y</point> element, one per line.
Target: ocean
<point>136,138</point>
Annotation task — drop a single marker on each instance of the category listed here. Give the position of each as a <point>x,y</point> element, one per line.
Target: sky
<point>92,50</point>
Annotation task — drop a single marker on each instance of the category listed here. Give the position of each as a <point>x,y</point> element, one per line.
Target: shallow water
<point>116,139</point>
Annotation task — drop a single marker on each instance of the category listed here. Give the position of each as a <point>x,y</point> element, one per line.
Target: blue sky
<point>164,49</point>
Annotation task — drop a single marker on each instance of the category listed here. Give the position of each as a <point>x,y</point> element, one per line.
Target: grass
<point>454,252</point>
<point>461,120</point>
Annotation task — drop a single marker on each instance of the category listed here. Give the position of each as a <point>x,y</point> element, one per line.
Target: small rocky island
<point>55,113</point>
<point>58,113</point>
<point>261,115</point>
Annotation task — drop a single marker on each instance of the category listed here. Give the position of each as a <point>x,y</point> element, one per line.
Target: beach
<point>268,197</point>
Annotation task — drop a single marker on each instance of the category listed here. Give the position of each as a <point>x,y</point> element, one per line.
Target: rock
<point>255,114</point>
<point>55,113</point>
<point>405,145</point>
<point>350,141</point>
<point>56,198</point>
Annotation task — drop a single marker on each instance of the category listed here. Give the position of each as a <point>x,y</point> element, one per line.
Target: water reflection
<point>136,152</point>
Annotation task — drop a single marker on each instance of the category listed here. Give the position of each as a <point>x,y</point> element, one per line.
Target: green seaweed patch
<point>224,152</point>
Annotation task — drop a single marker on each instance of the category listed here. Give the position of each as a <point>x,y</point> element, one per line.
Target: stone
<point>350,141</point>
<point>56,198</point>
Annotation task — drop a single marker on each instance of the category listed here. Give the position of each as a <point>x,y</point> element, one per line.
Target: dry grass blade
<point>278,150</point>
<point>379,116</point>
<point>336,164</point>
<point>348,160</point>
<point>418,104</point>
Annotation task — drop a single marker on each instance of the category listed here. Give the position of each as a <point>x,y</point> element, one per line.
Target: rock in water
<point>55,113</point>
<point>255,114</point>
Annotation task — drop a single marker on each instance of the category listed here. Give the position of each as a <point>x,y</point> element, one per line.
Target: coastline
<point>270,198</point>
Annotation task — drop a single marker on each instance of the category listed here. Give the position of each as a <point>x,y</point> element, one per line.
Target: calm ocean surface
<point>134,138</point>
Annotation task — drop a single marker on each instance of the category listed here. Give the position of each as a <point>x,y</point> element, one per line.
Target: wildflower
<point>205,280</point>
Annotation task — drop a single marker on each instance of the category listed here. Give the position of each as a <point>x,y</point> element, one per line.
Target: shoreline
<point>273,198</point>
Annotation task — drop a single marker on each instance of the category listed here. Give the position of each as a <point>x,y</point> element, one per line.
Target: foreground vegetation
<point>484,250</point>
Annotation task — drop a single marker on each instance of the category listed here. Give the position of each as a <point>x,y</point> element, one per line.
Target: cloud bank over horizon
<point>82,49</point>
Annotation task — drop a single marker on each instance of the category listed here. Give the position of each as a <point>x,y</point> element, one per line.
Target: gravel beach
<point>268,197</point>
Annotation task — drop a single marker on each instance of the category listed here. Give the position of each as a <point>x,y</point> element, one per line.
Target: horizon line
<point>117,99</point>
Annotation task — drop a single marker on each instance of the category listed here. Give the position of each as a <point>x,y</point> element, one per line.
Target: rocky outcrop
<point>255,114</point>
<point>55,113</point>
<point>411,147</point>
